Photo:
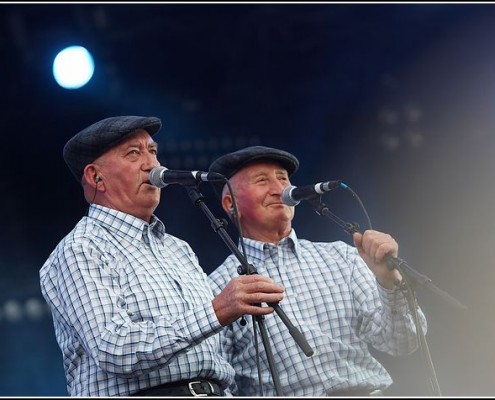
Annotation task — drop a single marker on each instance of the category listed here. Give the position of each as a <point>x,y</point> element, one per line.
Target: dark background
<point>396,100</point>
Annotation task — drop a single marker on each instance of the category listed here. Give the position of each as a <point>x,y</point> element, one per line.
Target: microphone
<point>161,177</point>
<point>293,195</point>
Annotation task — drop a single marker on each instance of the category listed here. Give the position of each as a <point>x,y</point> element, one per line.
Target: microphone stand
<point>392,262</point>
<point>245,268</point>
<point>410,280</point>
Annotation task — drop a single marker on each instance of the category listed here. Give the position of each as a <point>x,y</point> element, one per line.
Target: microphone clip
<point>315,202</point>
<point>243,270</point>
<point>351,228</point>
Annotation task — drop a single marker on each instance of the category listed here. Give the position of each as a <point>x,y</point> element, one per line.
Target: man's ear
<point>91,175</point>
<point>227,204</point>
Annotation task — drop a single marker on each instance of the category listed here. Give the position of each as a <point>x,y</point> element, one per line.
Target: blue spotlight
<point>73,67</point>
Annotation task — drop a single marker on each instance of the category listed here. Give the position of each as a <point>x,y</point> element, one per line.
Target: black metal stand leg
<point>218,226</point>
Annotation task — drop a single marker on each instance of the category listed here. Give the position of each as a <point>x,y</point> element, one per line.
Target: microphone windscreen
<point>286,197</point>
<point>155,177</point>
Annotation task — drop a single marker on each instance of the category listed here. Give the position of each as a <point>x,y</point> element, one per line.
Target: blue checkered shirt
<point>334,300</point>
<point>131,307</point>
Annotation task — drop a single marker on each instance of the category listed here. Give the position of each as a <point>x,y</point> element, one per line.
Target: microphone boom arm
<point>392,262</point>
<point>245,267</point>
<point>219,227</point>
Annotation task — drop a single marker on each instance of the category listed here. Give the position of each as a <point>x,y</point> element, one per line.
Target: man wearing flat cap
<point>340,297</point>
<point>132,309</point>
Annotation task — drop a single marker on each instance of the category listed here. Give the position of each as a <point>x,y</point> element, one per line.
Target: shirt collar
<point>127,225</point>
<point>255,248</point>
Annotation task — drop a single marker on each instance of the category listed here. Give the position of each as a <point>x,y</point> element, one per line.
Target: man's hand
<point>244,295</point>
<point>374,247</point>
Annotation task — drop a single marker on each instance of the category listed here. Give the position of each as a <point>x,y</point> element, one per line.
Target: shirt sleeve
<point>384,319</point>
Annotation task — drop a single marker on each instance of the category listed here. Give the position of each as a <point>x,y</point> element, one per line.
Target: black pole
<point>410,279</point>
<point>392,262</point>
<point>218,226</point>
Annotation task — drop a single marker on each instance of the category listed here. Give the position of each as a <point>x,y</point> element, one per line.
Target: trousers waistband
<point>356,392</point>
<point>193,387</point>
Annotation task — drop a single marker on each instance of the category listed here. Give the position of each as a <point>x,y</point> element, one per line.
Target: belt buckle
<point>193,392</point>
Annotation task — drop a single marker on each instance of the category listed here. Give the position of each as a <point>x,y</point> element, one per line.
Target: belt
<point>193,387</point>
<point>356,392</point>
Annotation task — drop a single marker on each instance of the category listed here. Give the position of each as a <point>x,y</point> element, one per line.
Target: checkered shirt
<point>334,300</point>
<point>131,307</point>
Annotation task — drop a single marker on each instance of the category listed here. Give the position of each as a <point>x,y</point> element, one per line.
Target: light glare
<point>73,67</point>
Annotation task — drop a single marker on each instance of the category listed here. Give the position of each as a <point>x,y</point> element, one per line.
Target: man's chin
<point>283,215</point>
<point>153,197</point>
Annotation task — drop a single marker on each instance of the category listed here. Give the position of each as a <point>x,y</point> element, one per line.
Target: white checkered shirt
<point>131,307</point>
<point>334,300</point>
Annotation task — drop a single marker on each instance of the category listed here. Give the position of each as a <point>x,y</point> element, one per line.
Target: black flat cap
<point>229,164</point>
<point>90,143</point>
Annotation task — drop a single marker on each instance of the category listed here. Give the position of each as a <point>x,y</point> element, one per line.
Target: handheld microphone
<point>293,195</point>
<point>161,177</point>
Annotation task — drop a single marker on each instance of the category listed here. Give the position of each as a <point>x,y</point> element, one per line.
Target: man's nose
<point>277,186</point>
<point>151,161</point>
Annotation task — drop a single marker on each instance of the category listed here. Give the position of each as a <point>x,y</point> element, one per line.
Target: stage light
<point>73,67</point>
